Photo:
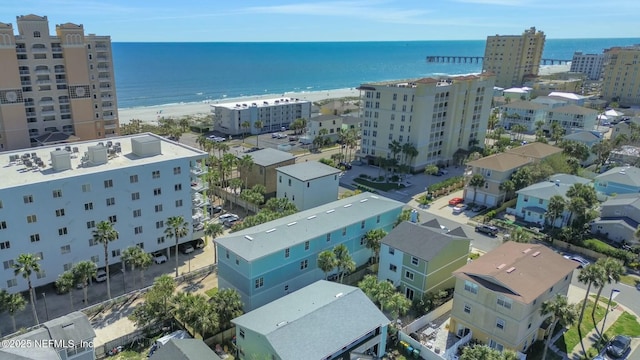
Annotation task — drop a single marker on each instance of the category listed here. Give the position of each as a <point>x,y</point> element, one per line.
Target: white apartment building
<point>51,199</point>
<point>274,113</point>
<point>308,184</point>
<point>333,124</point>
<point>588,64</point>
<point>525,113</point>
<point>511,57</point>
<point>437,116</point>
<point>54,88</point>
<point>572,117</point>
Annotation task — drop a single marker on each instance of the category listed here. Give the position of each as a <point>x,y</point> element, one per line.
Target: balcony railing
<point>110,126</point>
<point>108,117</point>
<point>42,71</point>
<point>197,171</point>
<point>199,186</point>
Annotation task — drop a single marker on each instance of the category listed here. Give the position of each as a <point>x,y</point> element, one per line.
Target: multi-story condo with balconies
<point>274,114</point>
<point>621,75</point>
<point>436,116</point>
<point>588,64</point>
<point>54,88</point>
<point>511,57</point>
<point>51,199</point>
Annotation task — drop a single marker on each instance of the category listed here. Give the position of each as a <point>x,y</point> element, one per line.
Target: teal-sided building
<point>268,261</point>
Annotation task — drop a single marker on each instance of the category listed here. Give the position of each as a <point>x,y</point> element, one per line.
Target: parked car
<point>100,276</point>
<point>159,258</point>
<point>619,346</point>
<point>293,138</point>
<point>228,216</point>
<point>199,243</point>
<point>282,136</point>
<point>214,209</point>
<point>582,262</point>
<point>79,285</point>
<point>459,208</point>
<point>455,201</point>
<point>443,172</point>
<point>229,223</point>
<point>345,165</point>
<point>487,229</point>
<point>186,248</point>
<point>480,208</point>
<point>253,149</point>
<point>274,135</point>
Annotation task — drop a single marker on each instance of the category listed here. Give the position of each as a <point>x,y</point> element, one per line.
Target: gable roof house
<point>619,218</point>
<point>420,259</point>
<point>498,296</point>
<point>263,171</point>
<point>185,349</point>
<point>324,320</point>
<point>533,200</point>
<point>619,180</point>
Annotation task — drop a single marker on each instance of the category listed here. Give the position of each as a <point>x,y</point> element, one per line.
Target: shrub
<point>490,214</point>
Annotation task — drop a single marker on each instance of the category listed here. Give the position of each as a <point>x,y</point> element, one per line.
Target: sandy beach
<point>153,113</point>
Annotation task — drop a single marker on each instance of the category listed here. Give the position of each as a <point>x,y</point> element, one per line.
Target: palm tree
<point>228,306</point>
<point>235,184</point>
<point>588,275</point>
<point>395,147</point>
<point>327,262</point>
<point>398,305</point>
<point>14,303</point>
<point>555,209</point>
<point>245,126</point>
<point>245,163</point>
<point>258,126</point>
<point>476,181</point>
<point>344,261</point>
<point>65,283</point>
<point>409,150</point>
<point>373,240</point>
<point>26,264</point>
<point>613,270</point>
<point>83,271</point>
<point>176,228</point>
<point>519,235</point>
<point>130,257</point>
<point>384,292</point>
<point>104,234</point>
<point>561,312</point>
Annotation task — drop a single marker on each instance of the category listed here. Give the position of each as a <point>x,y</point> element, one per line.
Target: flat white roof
<point>17,173</point>
<point>259,103</point>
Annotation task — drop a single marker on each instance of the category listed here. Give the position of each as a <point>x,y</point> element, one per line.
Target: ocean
<point>150,74</point>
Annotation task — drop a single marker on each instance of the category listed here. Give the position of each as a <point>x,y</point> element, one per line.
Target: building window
<point>280,179</point>
<point>31,219</point>
<point>177,187</point>
<point>65,249</point>
<point>3,225</point>
<point>306,245</point>
<point>159,224</point>
<point>93,242</point>
<point>177,170</point>
<point>179,203</point>
<point>160,240</point>
<point>304,264</point>
<point>60,212</point>
<point>242,333</point>
<point>34,237</point>
<point>137,230</point>
<point>137,213</point>
<point>158,208</point>
<point>12,283</point>
<point>57,193</point>
<point>470,287</point>
<point>41,274</point>
<point>113,219</point>
<point>362,224</point>
<point>155,174</point>
<point>289,182</point>
<point>91,224</point>
<point>500,323</point>
<point>392,251</point>
<point>286,252</point>
<point>467,308</point>
<point>414,260</point>
<point>393,267</point>
<point>108,184</point>
<point>378,219</point>
<point>259,283</point>
<point>133,179</point>
<point>328,237</point>
<point>135,196</point>
<point>408,275</point>
<point>8,264</point>
<point>115,252</point>
<point>157,191</point>
<point>67,266</point>
<point>28,199</point>
<point>111,201</point>
<point>5,245</point>
<point>227,253</point>
<point>63,231</point>
<point>505,302</point>
<point>344,231</point>
<point>88,206</point>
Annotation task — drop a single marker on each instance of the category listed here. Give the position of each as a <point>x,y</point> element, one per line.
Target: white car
<point>459,208</point>
<point>159,258</point>
<point>582,262</point>
<point>224,217</point>
<point>100,276</point>
<point>187,248</point>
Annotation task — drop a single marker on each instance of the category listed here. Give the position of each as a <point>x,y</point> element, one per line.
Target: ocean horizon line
<point>345,41</point>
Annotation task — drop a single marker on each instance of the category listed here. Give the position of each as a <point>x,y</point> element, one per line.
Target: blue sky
<point>311,20</point>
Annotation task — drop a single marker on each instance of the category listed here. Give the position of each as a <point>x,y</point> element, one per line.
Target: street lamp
<point>46,310</point>
<point>611,296</point>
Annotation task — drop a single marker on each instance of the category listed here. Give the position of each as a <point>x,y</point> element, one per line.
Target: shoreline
<point>151,114</point>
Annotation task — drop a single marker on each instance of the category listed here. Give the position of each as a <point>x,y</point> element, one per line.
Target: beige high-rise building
<point>621,75</point>
<point>511,57</point>
<point>437,117</point>
<point>54,88</point>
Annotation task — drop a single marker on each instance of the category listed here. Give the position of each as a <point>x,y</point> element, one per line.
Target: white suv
<point>159,258</point>
<point>101,276</point>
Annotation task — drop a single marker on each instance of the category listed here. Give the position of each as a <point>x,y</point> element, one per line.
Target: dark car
<point>619,346</point>
<point>487,229</point>
<point>214,209</point>
<point>345,165</point>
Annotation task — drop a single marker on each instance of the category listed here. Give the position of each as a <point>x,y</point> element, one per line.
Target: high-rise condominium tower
<point>511,57</point>
<point>621,75</point>
<point>54,88</point>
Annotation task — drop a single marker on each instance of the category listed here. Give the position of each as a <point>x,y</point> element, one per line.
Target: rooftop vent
<point>60,160</point>
<point>330,211</point>
<point>339,295</point>
<point>510,270</point>
<point>535,254</point>
<point>97,154</point>
<point>311,217</point>
<point>281,323</point>
<point>364,200</point>
<point>248,237</point>
<point>146,145</point>
<point>501,266</point>
<point>292,223</point>
<point>270,231</point>
<point>348,205</point>
<point>526,250</point>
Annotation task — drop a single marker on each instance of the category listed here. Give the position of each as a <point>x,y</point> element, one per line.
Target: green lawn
<point>536,350</point>
<point>626,324</point>
<point>570,339</point>
<point>603,300</point>
<point>376,185</point>
<point>211,292</point>
<point>598,245</point>
<point>631,280</point>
